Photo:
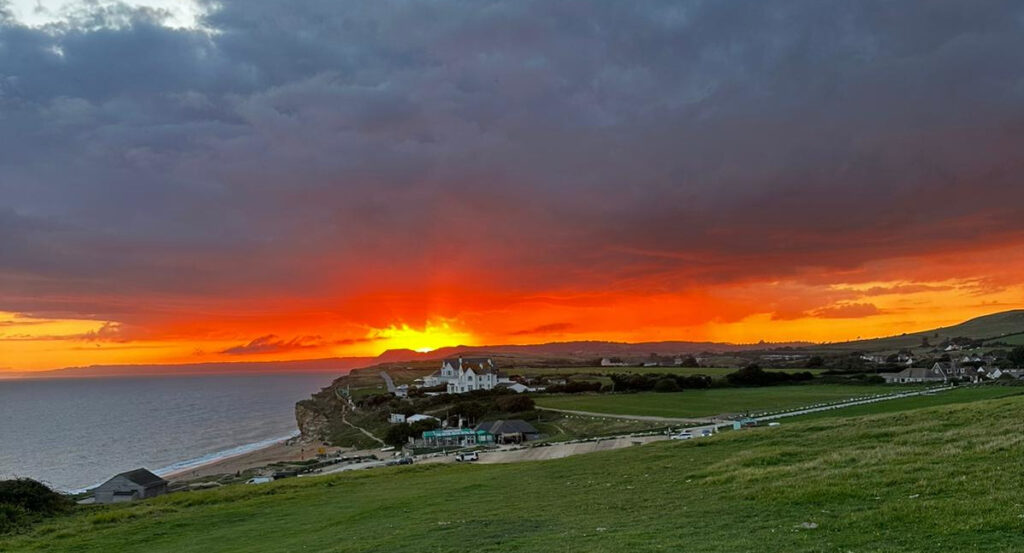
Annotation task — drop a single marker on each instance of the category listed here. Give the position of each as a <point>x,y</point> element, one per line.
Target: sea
<point>75,433</point>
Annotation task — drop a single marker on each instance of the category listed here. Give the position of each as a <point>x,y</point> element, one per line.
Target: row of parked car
<point>688,434</point>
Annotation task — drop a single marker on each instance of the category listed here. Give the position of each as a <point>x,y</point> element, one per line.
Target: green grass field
<point>714,372</point>
<point>939,479</point>
<point>704,403</point>
<point>1013,340</point>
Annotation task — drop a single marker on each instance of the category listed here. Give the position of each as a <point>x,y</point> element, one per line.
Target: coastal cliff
<point>313,424</point>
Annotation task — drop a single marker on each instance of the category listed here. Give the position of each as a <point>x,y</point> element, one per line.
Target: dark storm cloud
<point>288,147</point>
<point>543,329</point>
<point>271,343</point>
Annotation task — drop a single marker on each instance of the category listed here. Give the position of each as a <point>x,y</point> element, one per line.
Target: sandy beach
<point>287,450</point>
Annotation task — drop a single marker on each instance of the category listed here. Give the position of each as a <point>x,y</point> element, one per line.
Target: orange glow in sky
<point>740,313</point>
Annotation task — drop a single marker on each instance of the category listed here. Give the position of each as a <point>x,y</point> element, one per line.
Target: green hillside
<point>995,325</point>
<point>715,401</point>
<point>938,479</point>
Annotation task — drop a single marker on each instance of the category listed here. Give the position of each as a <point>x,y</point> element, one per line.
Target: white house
<point>521,388</point>
<point>937,373</point>
<point>418,417</point>
<point>465,375</point>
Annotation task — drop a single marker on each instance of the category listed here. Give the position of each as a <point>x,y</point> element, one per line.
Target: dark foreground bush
<point>24,501</point>
<point>756,376</point>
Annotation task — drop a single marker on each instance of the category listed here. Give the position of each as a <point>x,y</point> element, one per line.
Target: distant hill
<point>330,365</point>
<point>992,326</point>
<point>583,349</point>
<point>996,325</point>
<point>567,352</point>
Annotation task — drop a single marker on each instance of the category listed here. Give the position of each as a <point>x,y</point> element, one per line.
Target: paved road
<point>387,380</point>
<point>852,403</point>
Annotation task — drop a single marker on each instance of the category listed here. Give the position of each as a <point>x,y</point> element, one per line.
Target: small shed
<point>745,422</point>
<point>129,486</point>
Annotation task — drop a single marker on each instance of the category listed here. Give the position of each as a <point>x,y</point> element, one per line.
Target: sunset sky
<point>262,180</point>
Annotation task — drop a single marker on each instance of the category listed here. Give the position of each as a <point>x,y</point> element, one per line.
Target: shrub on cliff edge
<point>24,501</point>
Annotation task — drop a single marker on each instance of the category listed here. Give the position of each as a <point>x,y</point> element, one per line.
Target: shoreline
<point>250,456</point>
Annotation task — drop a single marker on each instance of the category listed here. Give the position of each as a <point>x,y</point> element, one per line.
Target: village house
<point>399,418</point>
<point>906,359</point>
<point>917,374</point>
<point>462,375</point>
<point>613,362</point>
<point>129,486</point>
<point>519,387</point>
<point>419,417</point>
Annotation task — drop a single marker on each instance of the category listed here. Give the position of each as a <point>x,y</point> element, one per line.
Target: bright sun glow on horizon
<point>433,335</point>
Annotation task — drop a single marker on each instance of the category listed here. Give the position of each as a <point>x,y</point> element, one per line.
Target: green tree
<point>1016,356</point>
<point>514,404</point>
<point>469,410</point>
<point>398,435</point>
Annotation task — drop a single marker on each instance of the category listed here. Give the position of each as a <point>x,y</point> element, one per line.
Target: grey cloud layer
<point>304,143</point>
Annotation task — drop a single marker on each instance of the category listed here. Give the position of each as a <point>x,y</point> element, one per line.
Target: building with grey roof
<point>129,486</point>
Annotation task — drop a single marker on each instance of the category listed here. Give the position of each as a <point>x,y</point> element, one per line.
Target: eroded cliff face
<point>319,415</point>
<point>312,422</point>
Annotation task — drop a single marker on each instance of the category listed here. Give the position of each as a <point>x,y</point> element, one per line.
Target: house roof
<point>513,426</point>
<point>143,478</point>
<point>478,364</point>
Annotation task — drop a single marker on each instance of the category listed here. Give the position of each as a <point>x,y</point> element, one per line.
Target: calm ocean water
<point>74,434</point>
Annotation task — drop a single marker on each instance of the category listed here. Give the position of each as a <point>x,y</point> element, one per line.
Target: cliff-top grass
<point>937,479</point>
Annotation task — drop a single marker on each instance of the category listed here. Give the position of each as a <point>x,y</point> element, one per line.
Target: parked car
<point>467,456</point>
<point>682,436</point>
<point>259,480</point>
<point>399,461</point>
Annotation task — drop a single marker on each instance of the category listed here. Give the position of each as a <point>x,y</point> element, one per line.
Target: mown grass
<point>557,428</point>
<point>939,479</point>
<point>713,372</point>
<point>704,403</point>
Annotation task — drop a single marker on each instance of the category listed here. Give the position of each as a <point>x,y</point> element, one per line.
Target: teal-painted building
<point>457,437</point>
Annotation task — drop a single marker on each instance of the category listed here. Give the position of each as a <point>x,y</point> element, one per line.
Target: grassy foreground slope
<point>938,479</point>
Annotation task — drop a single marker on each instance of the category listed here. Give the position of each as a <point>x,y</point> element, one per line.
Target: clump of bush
<point>24,501</point>
<point>575,387</point>
<point>756,376</point>
<point>514,404</point>
<point>659,382</point>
